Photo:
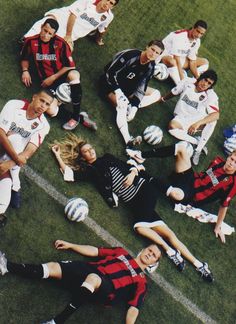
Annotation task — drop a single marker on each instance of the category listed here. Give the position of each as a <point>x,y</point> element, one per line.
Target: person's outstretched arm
<point>86,250</point>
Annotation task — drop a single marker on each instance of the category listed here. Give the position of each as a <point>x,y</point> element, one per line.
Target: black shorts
<point>75,272</point>
<point>105,88</point>
<point>60,80</point>
<point>144,202</point>
<point>185,181</point>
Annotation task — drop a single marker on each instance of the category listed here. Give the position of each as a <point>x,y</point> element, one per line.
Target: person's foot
<point>177,260</point>
<point>3,264</point>
<point>139,167</point>
<point>71,124</point>
<point>136,155</point>
<point>196,157</point>
<point>205,272</point>
<point>87,121</point>
<point>134,141</point>
<point>15,199</point>
<point>3,220</point>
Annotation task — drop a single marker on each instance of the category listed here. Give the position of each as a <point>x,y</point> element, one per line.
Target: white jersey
<point>20,130</point>
<point>192,103</point>
<point>87,18</point>
<point>177,43</point>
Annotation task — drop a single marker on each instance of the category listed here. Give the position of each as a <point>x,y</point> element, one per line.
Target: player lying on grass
<point>217,183</point>
<point>23,128</point>
<point>117,180</point>
<point>181,49</point>
<point>54,64</point>
<point>197,110</point>
<point>80,19</point>
<point>115,275</point>
<point>125,84</point>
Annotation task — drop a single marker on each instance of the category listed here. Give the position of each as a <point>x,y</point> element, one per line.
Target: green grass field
<point>31,231</point>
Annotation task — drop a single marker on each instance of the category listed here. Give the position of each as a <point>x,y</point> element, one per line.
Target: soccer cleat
<point>71,124</point>
<point>134,141</point>
<point>3,264</point>
<point>15,199</point>
<point>3,220</point>
<point>196,157</point>
<point>87,121</point>
<point>205,150</point>
<point>177,260</point>
<point>205,272</point>
<point>136,155</point>
<point>50,322</point>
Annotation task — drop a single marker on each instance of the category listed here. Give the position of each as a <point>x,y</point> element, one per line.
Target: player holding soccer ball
<point>125,84</point>
<point>115,276</point>
<point>55,65</point>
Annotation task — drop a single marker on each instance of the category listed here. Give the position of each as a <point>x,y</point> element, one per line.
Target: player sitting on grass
<point>23,128</point>
<point>54,65</point>
<point>117,180</point>
<point>196,110</point>
<point>80,19</point>
<point>114,275</point>
<point>125,84</point>
<point>218,182</point>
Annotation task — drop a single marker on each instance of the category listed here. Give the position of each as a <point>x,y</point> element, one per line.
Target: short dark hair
<point>117,1</point>
<point>47,91</point>
<point>200,23</point>
<point>53,23</point>
<point>158,43</point>
<point>209,74</point>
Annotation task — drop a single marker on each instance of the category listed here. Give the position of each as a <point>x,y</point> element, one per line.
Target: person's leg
<point>170,62</point>
<point>5,197</point>
<point>35,29</point>
<point>177,130</point>
<point>202,64</point>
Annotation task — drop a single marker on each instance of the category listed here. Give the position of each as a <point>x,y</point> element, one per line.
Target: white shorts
<point>186,121</point>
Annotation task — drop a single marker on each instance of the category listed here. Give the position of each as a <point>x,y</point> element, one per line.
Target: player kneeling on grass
<point>217,183</point>
<point>125,84</point>
<point>54,65</point>
<point>23,128</point>
<point>117,180</point>
<point>197,110</point>
<point>114,276</point>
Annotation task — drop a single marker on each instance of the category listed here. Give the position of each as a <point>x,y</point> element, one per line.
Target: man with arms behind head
<point>23,128</point>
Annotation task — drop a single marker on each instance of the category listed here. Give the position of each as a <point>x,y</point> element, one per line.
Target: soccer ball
<point>76,210</point>
<point>153,135</point>
<point>161,72</point>
<point>63,93</point>
<point>230,144</point>
<point>188,146</point>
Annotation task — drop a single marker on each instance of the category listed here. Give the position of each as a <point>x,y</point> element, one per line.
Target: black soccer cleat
<point>205,272</point>
<point>177,260</point>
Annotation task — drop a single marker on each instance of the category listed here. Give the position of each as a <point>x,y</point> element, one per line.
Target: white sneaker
<point>3,264</point>
<point>134,141</point>
<point>136,155</point>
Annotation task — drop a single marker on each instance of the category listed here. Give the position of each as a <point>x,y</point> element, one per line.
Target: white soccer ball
<point>161,72</point>
<point>230,144</point>
<point>76,210</point>
<point>63,93</point>
<point>153,135</point>
<point>188,146</point>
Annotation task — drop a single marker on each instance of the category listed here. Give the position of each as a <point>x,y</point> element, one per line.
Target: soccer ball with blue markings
<point>76,210</point>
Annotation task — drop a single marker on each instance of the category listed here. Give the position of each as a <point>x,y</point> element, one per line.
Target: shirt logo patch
<point>103,18</point>
<point>4,122</point>
<point>201,97</point>
<point>213,178</point>
<point>34,125</point>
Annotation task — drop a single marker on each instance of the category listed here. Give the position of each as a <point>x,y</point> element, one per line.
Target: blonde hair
<point>70,148</point>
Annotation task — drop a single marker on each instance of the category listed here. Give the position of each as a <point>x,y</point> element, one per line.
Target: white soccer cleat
<point>136,155</point>
<point>131,112</point>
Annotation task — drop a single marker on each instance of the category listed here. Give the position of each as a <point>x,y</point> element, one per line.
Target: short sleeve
<point>103,26</point>
<point>7,114</point>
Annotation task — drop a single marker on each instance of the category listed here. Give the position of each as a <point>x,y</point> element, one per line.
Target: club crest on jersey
<point>226,179</point>
<point>193,44</point>
<point>103,18</point>
<point>55,46</point>
<point>34,125</point>
<point>201,97</point>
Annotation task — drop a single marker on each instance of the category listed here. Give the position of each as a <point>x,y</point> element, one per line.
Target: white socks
<point>174,74</point>
<point>183,135</point>
<point>121,121</point>
<point>150,99</point>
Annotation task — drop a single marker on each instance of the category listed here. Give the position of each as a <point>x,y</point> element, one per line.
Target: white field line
<point>107,237</point>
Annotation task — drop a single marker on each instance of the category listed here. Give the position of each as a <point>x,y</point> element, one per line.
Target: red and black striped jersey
<point>214,184</point>
<point>127,277</point>
<point>49,57</point>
